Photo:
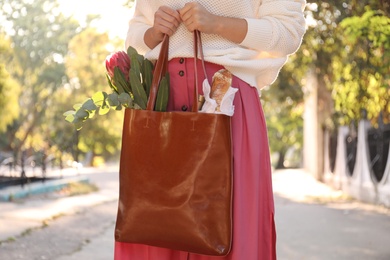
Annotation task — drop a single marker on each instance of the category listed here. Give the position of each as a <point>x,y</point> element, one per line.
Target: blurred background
<point>53,53</point>
<point>52,57</point>
<point>328,113</point>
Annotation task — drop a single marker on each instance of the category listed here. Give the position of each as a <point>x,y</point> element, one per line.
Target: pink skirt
<point>254,236</point>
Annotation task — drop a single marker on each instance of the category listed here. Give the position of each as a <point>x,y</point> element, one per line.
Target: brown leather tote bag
<point>176,176</point>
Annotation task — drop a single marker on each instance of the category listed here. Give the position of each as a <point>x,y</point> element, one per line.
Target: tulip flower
<point>118,59</point>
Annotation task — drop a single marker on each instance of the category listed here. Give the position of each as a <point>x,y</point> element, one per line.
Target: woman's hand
<point>166,21</point>
<point>196,17</point>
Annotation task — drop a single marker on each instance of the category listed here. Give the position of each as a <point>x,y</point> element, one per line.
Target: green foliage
<point>147,75</point>
<point>132,93</point>
<point>333,51</point>
<point>9,93</point>
<point>283,108</point>
<point>373,26</point>
<point>51,61</point>
<point>362,69</point>
<point>163,94</point>
<point>100,103</point>
<point>322,45</point>
<point>283,101</point>
<point>55,61</point>
<point>87,78</point>
<point>40,36</point>
<point>9,89</point>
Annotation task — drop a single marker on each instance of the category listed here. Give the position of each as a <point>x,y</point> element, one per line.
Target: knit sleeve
<point>278,29</point>
<point>138,25</point>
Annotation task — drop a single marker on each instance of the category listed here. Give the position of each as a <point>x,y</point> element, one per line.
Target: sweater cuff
<point>259,34</point>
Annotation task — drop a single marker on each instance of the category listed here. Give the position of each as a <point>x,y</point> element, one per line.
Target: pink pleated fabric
<point>254,236</point>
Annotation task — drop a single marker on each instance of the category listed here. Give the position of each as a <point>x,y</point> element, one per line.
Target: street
<point>313,222</point>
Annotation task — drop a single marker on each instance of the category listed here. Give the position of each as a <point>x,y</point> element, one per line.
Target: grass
<point>78,188</point>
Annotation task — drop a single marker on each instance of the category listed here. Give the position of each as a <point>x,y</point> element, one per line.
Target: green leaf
<point>78,125</point>
<point>113,99</point>
<point>132,53</point>
<point>168,77</point>
<point>125,99</point>
<point>92,114</point>
<point>99,98</point>
<point>120,80</point>
<point>112,86</point>
<point>82,114</point>
<point>105,103</point>
<point>136,62</point>
<point>104,110</point>
<point>136,67</point>
<point>162,95</point>
<point>139,93</point>
<point>147,75</point>
<point>78,120</point>
<point>70,118</point>
<point>77,106</point>
<point>137,107</point>
<point>70,112</point>
<point>89,105</point>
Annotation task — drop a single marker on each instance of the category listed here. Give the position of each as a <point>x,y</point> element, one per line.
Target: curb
<point>48,186</point>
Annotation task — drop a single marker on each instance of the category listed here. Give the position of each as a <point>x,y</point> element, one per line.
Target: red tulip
<point>118,59</point>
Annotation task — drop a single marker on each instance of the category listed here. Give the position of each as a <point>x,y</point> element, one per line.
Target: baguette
<point>222,80</point>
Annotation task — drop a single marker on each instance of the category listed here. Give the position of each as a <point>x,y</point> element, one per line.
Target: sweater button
<point>181,73</point>
<point>181,60</point>
<point>184,108</point>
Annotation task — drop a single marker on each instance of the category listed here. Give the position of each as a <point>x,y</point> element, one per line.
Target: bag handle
<point>161,69</point>
<point>197,45</point>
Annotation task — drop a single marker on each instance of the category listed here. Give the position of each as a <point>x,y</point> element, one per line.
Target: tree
<point>331,55</point>
<point>9,88</point>
<point>40,36</point>
<point>86,69</point>
<point>363,67</point>
<point>283,107</point>
<point>323,48</point>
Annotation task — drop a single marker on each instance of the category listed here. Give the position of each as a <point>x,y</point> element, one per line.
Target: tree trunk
<point>280,164</point>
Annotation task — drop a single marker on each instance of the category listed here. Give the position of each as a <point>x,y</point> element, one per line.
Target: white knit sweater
<point>275,30</point>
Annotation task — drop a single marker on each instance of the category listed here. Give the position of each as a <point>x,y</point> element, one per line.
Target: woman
<point>252,39</point>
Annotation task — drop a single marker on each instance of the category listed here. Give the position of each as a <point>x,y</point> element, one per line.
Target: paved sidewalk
<point>313,222</point>
<point>33,213</point>
<point>100,248</point>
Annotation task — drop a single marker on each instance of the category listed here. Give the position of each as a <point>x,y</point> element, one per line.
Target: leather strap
<point>197,46</point>
<point>200,45</point>
<point>161,69</point>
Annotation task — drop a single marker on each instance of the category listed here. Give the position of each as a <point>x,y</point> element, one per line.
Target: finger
<point>164,22</point>
<point>165,30</point>
<point>165,27</point>
<point>191,28</point>
<point>171,13</point>
<point>186,16</point>
<point>185,12</point>
<point>170,21</point>
<point>188,7</point>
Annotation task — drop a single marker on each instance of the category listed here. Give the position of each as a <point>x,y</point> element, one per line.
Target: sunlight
<point>114,16</point>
